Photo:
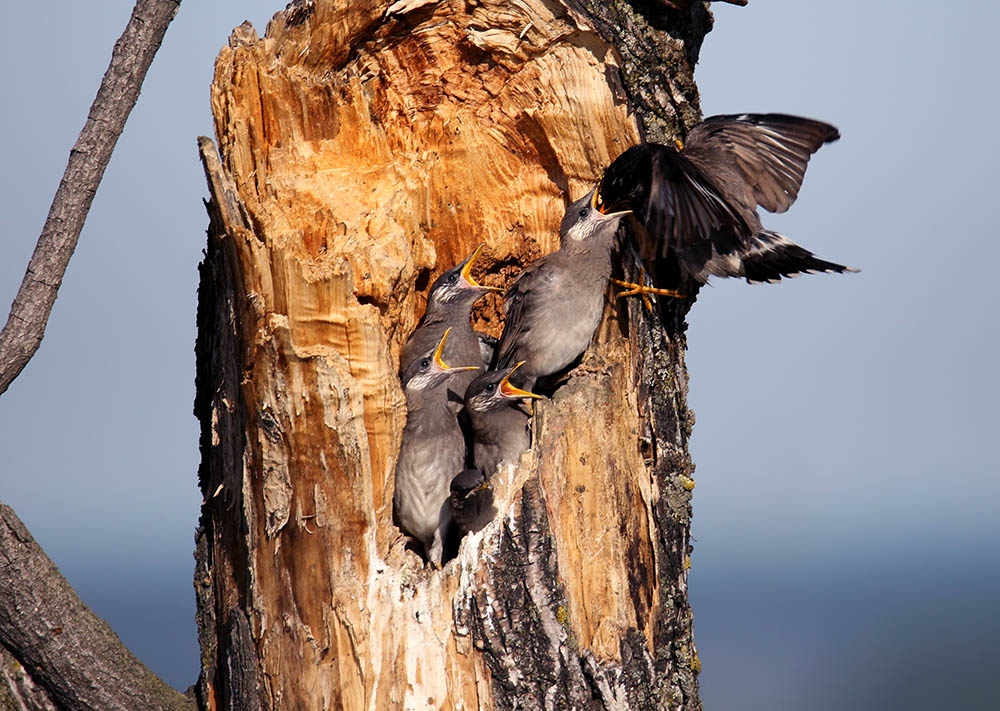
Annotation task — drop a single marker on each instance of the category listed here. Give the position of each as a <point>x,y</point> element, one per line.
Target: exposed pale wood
<point>119,90</point>
<point>365,148</point>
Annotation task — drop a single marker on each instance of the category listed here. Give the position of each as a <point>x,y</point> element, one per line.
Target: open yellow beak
<point>596,203</point>
<point>444,366</point>
<point>467,273</point>
<point>509,390</point>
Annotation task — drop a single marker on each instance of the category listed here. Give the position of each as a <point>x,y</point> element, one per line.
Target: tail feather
<point>773,256</point>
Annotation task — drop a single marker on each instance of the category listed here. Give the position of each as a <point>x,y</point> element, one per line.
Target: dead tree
<point>364,148</point>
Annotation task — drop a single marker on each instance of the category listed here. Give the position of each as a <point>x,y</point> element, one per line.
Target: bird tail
<point>771,256</point>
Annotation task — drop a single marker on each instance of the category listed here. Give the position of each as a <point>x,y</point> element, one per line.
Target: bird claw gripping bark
<point>633,289</point>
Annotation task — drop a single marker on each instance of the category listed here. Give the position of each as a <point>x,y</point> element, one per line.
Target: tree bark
<point>119,90</point>
<point>365,148</point>
<point>57,653</point>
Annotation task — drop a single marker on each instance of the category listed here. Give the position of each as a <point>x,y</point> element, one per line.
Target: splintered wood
<point>365,148</point>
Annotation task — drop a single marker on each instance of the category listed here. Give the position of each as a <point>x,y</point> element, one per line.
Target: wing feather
<point>516,314</point>
<point>769,151</point>
<point>674,199</point>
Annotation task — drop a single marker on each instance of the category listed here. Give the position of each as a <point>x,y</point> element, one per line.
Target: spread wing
<point>674,199</point>
<point>769,151</point>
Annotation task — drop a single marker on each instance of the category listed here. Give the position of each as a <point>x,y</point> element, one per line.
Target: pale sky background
<point>846,512</point>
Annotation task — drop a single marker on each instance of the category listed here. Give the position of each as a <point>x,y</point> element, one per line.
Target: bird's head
<point>430,370</point>
<point>468,483</point>
<point>456,286</point>
<point>587,220</point>
<point>493,390</point>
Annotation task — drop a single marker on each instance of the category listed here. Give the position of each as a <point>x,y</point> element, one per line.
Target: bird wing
<point>671,196</point>
<point>487,346</point>
<point>769,151</point>
<point>515,307</point>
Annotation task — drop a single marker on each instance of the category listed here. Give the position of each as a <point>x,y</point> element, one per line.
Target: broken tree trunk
<point>365,148</point>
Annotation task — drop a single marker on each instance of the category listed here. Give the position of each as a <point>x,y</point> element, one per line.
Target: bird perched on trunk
<point>448,305</point>
<point>698,201</point>
<point>471,501</point>
<point>554,306</point>
<point>499,425</point>
<point>432,450</point>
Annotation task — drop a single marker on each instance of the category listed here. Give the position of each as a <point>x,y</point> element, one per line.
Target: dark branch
<point>63,646</point>
<point>132,55</point>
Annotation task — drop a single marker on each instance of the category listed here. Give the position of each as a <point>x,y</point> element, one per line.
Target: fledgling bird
<point>499,425</point>
<point>471,501</point>
<point>448,305</point>
<point>432,450</point>
<point>555,304</point>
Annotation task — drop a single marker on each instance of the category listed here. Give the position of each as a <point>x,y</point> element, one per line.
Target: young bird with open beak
<point>554,306</point>
<point>449,303</point>
<point>432,451</point>
<point>499,425</point>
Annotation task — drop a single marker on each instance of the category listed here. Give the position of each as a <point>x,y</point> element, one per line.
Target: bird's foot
<point>633,289</point>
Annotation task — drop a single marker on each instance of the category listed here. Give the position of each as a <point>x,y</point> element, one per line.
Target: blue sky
<point>847,498</point>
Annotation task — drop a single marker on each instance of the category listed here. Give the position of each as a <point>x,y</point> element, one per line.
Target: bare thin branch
<point>65,648</point>
<point>132,55</point>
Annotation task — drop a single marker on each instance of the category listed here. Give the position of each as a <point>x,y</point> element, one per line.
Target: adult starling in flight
<point>499,425</point>
<point>471,501</point>
<point>432,450</point>
<point>448,305</point>
<point>554,305</point>
<point>699,200</point>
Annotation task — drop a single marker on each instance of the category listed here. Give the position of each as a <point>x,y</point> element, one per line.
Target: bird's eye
<point>490,387</point>
<point>584,212</point>
<point>452,278</point>
<point>425,363</point>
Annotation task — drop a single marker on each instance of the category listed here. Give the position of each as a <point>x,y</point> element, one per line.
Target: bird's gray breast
<point>430,456</point>
<point>566,311</point>
<point>499,437</point>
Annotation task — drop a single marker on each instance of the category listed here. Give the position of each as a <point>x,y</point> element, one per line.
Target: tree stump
<point>363,149</point>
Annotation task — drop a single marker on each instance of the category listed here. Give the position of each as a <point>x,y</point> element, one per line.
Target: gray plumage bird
<point>448,305</point>
<point>554,306</point>
<point>699,200</point>
<point>499,425</point>
<point>432,450</point>
<point>471,501</point>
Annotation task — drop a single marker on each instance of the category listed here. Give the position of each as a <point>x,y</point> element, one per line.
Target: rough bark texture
<point>366,147</point>
<point>58,651</point>
<point>119,90</point>
<point>18,691</point>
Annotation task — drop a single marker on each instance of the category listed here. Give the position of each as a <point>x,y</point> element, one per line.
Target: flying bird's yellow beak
<point>467,273</point>
<point>509,390</point>
<point>444,366</point>
<point>601,207</point>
